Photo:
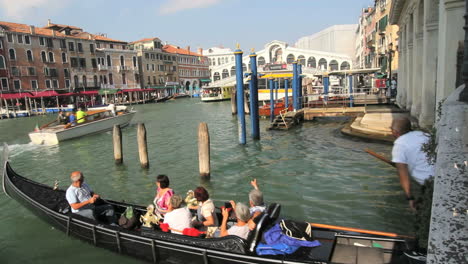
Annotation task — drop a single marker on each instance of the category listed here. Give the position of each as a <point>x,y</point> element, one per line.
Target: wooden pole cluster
<point>204,150</point>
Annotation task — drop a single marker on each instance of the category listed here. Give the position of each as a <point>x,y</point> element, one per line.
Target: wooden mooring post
<point>204,150</point>
<point>142,146</point>
<point>117,140</point>
<point>233,103</point>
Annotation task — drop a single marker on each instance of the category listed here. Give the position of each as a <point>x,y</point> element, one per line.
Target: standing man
<point>409,158</point>
<point>80,116</point>
<point>82,200</point>
<point>416,177</point>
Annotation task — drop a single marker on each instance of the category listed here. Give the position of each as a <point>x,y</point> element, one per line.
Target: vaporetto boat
<point>337,244</point>
<point>98,121</point>
<point>213,94</point>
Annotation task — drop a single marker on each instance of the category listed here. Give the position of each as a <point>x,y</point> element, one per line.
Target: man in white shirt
<point>177,218</point>
<point>82,200</point>
<point>409,158</point>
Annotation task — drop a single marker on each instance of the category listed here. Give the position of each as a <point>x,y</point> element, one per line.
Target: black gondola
<point>159,247</point>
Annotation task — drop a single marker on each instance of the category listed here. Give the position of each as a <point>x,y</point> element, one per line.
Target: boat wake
<point>19,149</point>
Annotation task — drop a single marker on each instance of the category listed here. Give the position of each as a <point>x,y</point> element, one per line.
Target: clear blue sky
<point>198,23</point>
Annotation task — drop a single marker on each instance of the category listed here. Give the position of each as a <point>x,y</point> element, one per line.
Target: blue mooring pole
<point>299,85</point>
<point>276,91</point>
<point>325,86</point>
<point>272,102</point>
<point>294,85</point>
<point>240,95</point>
<point>350,83</point>
<point>286,88</point>
<point>254,97</point>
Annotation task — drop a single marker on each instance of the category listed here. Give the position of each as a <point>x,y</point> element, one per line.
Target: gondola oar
<point>48,124</point>
<point>380,157</point>
<point>358,230</point>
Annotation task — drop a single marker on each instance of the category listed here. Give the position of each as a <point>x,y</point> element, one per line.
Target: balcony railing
<point>103,68</point>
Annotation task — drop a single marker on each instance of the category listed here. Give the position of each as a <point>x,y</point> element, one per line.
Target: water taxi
<point>96,121</point>
<point>212,94</point>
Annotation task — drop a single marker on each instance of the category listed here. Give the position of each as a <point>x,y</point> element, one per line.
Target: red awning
<point>14,95</point>
<point>132,90</point>
<point>89,92</point>
<point>67,94</point>
<point>44,94</point>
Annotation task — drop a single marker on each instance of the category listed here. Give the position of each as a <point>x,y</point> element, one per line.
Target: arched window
<point>311,62</point>
<point>109,62</point>
<point>122,60</point>
<point>134,61</point>
<point>219,61</point>
<point>261,61</point>
<point>2,62</point>
<point>345,65</point>
<point>290,59</point>
<point>233,71</point>
<point>12,54</point>
<point>77,83</point>
<point>225,73</point>
<point>51,57</point>
<point>323,64</point>
<point>100,79</point>
<point>105,79</point>
<point>216,76</point>
<point>111,80</point>
<point>29,54</point>
<point>43,56</point>
<point>124,79</point>
<point>64,57</point>
<point>96,81</point>
<point>84,81</point>
<point>333,65</point>
<point>301,60</point>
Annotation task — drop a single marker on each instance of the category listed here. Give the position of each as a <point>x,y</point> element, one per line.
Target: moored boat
<point>265,110</point>
<point>97,121</point>
<point>338,245</point>
<point>213,94</point>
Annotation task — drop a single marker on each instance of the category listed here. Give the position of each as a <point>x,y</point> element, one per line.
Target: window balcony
<point>103,67</point>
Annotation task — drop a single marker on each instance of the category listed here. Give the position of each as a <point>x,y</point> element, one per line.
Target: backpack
<point>297,230</point>
<point>128,219</point>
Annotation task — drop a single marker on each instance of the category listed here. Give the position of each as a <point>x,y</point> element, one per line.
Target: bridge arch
<point>311,62</point>
<point>323,64</point>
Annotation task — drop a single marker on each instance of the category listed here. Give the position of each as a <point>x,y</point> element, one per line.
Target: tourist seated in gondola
<point>206,215</point>
<point>82,200</point>
<point>71,118</point>
<point>241,228</point>
<point>163,194</point>
<point>257,206</point>
<point>178,218</point>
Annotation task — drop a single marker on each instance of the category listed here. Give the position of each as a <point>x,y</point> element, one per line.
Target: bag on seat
<point>297,230</point>
<point>128,219</point>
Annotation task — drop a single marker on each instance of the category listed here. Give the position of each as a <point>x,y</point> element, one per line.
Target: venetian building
<point>157,68</point>
<point>429,35</point>
<point>386,39</point>
<point>193,66</point>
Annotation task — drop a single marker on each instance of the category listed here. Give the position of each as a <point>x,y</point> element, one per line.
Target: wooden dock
<point>286,120</point>
<point>311,113</point>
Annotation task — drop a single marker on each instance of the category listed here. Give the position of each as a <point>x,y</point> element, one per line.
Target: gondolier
<point>82,200</point>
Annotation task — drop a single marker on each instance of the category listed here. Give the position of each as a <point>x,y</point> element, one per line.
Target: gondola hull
<point>159,247</point>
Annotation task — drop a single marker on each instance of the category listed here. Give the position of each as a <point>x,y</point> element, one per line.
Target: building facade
<point>429,35</point>
<point>63,57</point>
<point>193,67</point>
<point>157,67</point>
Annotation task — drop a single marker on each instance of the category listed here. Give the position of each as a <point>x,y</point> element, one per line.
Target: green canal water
<point>315,172</point>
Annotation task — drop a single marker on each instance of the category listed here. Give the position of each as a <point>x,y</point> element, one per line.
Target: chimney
<point>200,51</point>
<point>188,48</point>
<point>48,22</point>
<point>32,29</point>
<point>53,33</point>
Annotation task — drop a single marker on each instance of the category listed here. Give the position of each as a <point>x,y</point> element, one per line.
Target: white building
<point>429,37</point>
<point>278,53</point>
<point>335,39</point>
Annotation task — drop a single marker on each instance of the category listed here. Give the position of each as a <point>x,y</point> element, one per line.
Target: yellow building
<point>386,39</point>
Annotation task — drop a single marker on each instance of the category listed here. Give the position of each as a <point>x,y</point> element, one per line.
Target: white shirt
<point>240,231</point>
<point>407,150</point>
<point>178,219</point>
<point>79,195</point>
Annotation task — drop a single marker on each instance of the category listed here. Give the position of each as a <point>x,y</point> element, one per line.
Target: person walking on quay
<point>80,116</point>
<point>415,174</point>
<point>82,200</point>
